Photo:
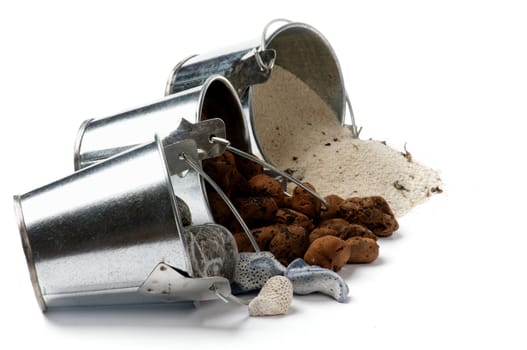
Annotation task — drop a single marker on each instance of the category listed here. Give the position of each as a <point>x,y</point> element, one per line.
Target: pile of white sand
<point>298,131</point>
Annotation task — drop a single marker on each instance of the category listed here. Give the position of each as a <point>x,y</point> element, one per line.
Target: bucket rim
<point>301,25</point>
<point>28,252</point>
<point>241,129</point>
<point>173,201</point>
<point>169,88</point>
<point>204,90</point>
<point>78,144</point>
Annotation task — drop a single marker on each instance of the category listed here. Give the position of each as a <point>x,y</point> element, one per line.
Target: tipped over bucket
<point>298,48</point>
<point>98,139</point>
<point>113,233</point>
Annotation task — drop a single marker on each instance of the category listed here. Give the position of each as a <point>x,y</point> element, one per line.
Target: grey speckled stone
<point>254,269</point>
<point>309,279</point>
<point>184,210</point>
<point>212,250</point>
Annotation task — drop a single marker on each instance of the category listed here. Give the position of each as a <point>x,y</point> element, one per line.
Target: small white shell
<point>274,298</point>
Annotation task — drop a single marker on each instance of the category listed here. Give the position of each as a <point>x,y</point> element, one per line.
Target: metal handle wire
<point>226,298</point>
<point>274,169</point>
<point>353,127</point>
<point>197,168</point>
<point>263,44</point>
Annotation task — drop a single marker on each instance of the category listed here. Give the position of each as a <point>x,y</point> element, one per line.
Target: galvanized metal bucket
<point>113,233</point>
<point>98,139</point>
<point>178,115</point>
<point>296,47</point>
<point>106,137</point>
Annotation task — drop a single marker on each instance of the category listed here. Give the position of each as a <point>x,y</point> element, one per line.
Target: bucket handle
<point>195,166</point>
<point>264,66</point>
<point>350,123</point>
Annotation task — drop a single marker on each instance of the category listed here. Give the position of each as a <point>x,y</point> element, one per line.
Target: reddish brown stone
<point>263,185</point>
<point>355,230</point>
<point>247,167</point>
<point>264,235</point>
<point>242,242</point>
<point>329,252</point>
<point>223,171</point>
<point>321,232</point>
<point>288,216</point>
<point>256,210</point>
<point>220,211</point>
<point>305,202</point>
<point>362,250</point>
<point>288,244</point>
<point>340,226</point>
<point>333,209</point>
<point>372,212</point>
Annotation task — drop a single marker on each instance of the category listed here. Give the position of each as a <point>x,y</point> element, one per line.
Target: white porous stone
<point>274,298</point>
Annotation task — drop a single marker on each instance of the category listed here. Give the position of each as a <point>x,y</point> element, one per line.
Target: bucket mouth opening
<point>174,203</point>
<point>220,100</point>
<point>306,53</point>
<point>28,252</point>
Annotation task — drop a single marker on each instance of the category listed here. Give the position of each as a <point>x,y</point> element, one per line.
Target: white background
<point>448,77</point>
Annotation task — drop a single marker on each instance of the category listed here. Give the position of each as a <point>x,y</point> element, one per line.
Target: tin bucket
<point>98,139</point>
<point>296,47</point>
<point>112,233</point>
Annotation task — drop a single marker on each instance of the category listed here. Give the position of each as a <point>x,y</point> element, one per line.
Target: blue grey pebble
<point>297,263</point>
<point>309,279</point>
<point>253,270</point>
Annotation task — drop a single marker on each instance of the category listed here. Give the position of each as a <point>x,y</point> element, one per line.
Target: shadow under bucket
<point>113,234</point>
<point>297,48</point>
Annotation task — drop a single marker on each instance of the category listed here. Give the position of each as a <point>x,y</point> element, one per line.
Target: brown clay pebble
<point>235,226</point>
<point>256,210</point>
<point>247,167</point>
<point>329,252</point>
<point>362,250</point>
<point>287,202</point>
<point>333,210</point>
<point>263,185</point>
<point>239,185</point>
<point>288,244</point>
<point>288,216</point>
<point>355,230</point>
<point>264,235</point>
<point>321,232</point>
<point>217,166</point>
<point>242,242</point>
<point>371,212</point>
<point>340,226</point>
<point>223,171</point>
<point>304,202</point>
<point>220,211</point>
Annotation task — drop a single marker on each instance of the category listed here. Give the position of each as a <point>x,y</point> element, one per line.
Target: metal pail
<point>112,233</point>
<point>98,139</point>
<point>297,47</point>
